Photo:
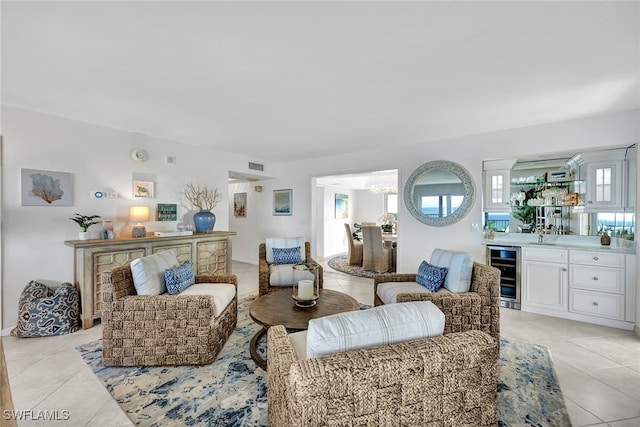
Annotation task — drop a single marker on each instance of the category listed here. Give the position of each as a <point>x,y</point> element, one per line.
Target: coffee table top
<point>278,308</point>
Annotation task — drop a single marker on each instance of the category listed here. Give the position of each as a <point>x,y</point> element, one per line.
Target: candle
<point>305,290</point>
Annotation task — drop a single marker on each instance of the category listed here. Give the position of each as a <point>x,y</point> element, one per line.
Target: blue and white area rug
<point>232,390</point>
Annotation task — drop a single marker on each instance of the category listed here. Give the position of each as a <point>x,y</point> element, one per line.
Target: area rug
<point>339,263</point>
<point>232,390</point>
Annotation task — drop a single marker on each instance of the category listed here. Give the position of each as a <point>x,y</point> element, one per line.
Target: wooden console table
<point>210,253</point>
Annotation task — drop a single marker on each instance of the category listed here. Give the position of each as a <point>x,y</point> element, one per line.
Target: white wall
<point>33,237</point>
<point>370,206</point>
<point>98,158</point>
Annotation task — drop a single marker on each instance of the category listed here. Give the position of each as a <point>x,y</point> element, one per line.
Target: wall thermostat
<point>139,155</point>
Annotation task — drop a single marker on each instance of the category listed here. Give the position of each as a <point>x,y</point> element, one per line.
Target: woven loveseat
<point>447,380</point>
<point>477,309</point>
<point>158,330</point>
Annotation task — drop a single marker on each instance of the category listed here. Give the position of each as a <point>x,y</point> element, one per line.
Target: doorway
<point>351,198</point>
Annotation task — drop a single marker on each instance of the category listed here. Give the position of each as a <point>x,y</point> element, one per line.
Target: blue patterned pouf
<point>43,311</point>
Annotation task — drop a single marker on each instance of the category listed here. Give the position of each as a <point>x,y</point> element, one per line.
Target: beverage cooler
<point>507,260</point>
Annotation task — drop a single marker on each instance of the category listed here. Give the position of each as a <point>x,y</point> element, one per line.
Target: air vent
<point>256,166</point>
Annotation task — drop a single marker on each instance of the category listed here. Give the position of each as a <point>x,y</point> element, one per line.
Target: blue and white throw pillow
<point>430,276</point>
<point>179,278</point>
<point>282,256</point>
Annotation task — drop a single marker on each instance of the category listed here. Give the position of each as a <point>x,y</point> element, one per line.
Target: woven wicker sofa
<point>159,330</point>
<point>448,380</point>
<point>478,309</point>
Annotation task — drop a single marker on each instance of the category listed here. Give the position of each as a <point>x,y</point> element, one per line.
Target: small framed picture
<point>143,189</point>
<point>167,212</point>
<point>283,202</point>
<point>240,205</point>
<point>342,206</point>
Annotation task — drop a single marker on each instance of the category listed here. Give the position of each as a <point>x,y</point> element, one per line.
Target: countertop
<point>551,241</point>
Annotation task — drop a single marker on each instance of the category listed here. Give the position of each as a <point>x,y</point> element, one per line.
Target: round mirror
<point>439,193</point>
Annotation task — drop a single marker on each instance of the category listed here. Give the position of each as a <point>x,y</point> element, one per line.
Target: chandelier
<point>384,188</point>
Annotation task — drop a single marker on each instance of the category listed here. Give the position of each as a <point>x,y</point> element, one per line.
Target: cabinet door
<point>497,191</point>
<point>604,186</point>
<point>544,285</point>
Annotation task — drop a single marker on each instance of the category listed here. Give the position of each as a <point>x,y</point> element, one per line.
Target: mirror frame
<point>467,202</point>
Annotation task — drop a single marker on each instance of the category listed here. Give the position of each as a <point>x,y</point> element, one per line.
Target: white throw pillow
<point>460,268</point>
<point>148,272</point>
<point>386,324</point>
<point>284,242</point>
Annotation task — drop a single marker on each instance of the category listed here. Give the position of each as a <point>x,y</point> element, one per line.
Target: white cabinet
<point>604,186</point>
<point>585,285</point>
<point>597,284</point>
<point>497,190</point>
<point>545,278</point>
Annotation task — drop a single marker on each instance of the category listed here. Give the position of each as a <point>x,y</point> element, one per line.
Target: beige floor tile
<point>580,416</point>
<point>579,357</point>
<point>600,399</point>
<point>611,349</point>
<point>621,378</point>
<point>631,422</point>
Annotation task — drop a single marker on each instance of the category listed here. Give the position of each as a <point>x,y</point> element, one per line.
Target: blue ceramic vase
<point>204,221</point>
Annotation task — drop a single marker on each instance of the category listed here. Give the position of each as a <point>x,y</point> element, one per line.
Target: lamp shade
<point>139,213</point>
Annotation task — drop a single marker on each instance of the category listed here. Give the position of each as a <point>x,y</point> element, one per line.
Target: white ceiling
<point>291,80</point>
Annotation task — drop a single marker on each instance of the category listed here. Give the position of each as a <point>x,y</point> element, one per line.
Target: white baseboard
<point>637,330</point>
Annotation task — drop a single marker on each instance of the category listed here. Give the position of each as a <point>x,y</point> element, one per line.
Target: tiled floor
<point>598,367</point>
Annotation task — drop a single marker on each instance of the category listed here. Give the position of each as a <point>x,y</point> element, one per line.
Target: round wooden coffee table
<point>278,308</point>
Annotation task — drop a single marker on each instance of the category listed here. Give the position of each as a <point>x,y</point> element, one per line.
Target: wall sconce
<point>139,214</point>
<point>258,188</point>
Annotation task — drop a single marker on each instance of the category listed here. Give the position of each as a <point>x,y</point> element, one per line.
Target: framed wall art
<point>167,212</point>
<point>283,202</point>
<point>341,206</point>
<point>46,188</point>
<point>240,205</point>
<point>143,189</point>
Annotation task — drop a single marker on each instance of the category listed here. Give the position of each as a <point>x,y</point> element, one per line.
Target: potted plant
<point>490,229</point>
<point>605,239</point>
<point>387,222</point>
<point>205,199</point>
<point>84,221</point>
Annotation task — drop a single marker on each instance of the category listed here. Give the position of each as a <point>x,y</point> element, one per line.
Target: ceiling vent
<point>256,166</point>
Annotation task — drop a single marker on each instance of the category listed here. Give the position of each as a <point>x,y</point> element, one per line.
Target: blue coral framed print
<point>46,188</point>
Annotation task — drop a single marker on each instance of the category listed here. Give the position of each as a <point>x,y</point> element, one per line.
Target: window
<point>440,206</point>
<point>621,225</point>
<point>391,203</point>
<point>499,220</point>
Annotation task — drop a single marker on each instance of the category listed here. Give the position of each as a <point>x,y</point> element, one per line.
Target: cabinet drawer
<point>602,259</point>
<point>598,279</point>
<point>597,304</point>
<point>544,254</point>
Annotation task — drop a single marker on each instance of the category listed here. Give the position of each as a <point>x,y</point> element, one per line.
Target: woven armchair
<point>264,272</point>
<point>376,255</point>
<point>448,380</point>
<point>478,309</point>
<point>145,330</point>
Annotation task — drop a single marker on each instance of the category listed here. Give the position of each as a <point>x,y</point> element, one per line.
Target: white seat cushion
<point>285,275</point>
<point>148,272</point>
<point>459,268</point>
<point>299,343</point>
<point>222,294</point>
<point>386,324</point>
<point>284,242</point>
<point>389,291</point>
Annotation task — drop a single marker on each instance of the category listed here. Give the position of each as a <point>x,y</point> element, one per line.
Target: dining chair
<point>376,256</point>
<point>354,249</point>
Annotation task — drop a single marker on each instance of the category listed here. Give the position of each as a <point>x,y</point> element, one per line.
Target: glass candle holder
<point>306,289</point>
